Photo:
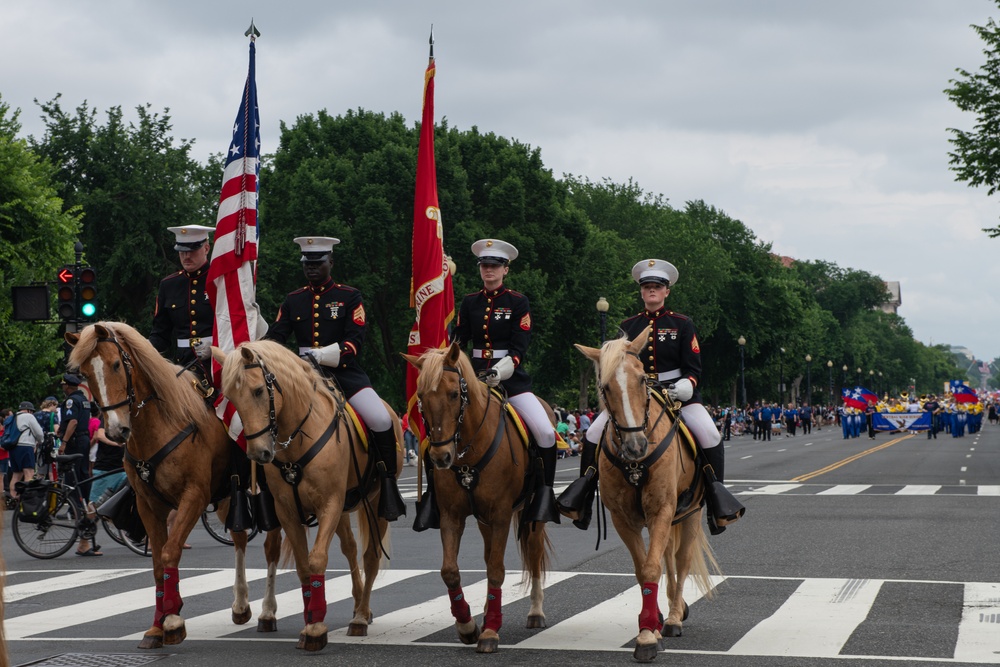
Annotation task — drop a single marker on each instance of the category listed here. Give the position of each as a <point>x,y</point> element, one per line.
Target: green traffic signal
<point>88,292</point>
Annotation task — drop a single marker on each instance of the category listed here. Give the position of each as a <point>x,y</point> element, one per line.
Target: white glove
<point>326,356</point>
<point>500,372</point>
<point>682,390</point>
<point>202,349</point>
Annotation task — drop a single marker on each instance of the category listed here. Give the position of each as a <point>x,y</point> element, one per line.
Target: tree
<point>975,159</point>
<point>132,181</point>
<point>36,235</point>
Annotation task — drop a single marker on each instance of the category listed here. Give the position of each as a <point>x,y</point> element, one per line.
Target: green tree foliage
<point>131,181</point>
<point>975,159</point>
<point>36,235</point>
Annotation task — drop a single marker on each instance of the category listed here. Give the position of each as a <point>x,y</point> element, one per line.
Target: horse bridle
<point>619,429</point>
<point>463,402</point>
<point>129,385</point>
<point>271,383</point>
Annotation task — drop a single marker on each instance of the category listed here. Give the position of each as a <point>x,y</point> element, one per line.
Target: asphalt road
<point>876,552</point>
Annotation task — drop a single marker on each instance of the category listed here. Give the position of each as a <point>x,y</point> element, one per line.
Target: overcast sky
<point>821,126</point>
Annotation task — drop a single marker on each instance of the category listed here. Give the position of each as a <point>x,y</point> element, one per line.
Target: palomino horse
<point>648,478</point>
<point>320,468</point>
<point>177,453</point>
<point>473,437</point>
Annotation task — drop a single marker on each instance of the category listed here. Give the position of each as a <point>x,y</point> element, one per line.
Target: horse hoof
<point>151,641</point>
<point>267,625</point>
<point>310,643</point>
<point>645,652</point>
<point>470,637</point>
<point>671,630</point>
<point>687,610</point>
<point>535,621</point>
<point>357,630</point>
<point>175,636</point>
<point>487,645</point>
<point>241,617</point>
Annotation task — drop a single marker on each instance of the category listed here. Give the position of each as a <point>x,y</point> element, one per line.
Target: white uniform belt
<point>186,342</point>
<point>666,375</point>
<point>489,354</point>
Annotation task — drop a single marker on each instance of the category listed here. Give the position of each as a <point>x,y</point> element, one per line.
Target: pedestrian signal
<point>66,293</point>
<point>88,292</point>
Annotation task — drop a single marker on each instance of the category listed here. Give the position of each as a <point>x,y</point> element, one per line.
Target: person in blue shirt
<point>806,415</point>
<point>766,417</point>
<point>790,415</point>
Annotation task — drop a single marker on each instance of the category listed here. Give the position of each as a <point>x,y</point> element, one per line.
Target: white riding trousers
<point>368,404</point>
<point>697,418</point>
<point>534,415</point>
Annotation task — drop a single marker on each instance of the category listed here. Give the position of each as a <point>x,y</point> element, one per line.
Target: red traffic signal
<point>66,294</point>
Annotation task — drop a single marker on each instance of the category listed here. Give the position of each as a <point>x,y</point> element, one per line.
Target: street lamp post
<point>743,386</point>
<point>871,380</point>
<point>829,370</point>
<point>809,361</point>
<point>881,384</point>
<point>859,376</point>
<point>602,308</point>
<point>844,381</point>
<point>781,378</point>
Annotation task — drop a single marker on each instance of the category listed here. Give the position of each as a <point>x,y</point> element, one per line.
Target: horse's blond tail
<point>703,562</point>
<point>545,558</point>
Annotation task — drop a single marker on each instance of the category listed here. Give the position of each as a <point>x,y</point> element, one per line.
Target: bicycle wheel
<point>140,547</point>
<point>216,527</point>
<point>54,535</point>
<point>113,532</point>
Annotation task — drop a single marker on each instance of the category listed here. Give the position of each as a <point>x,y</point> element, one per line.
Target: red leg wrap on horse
<point>172,602</point>
<point>649,617</point>
<point>158,612</point>
<point>494,610</point>
<point>306,596</point>
<point>459,607</point>
<point>316,605</point>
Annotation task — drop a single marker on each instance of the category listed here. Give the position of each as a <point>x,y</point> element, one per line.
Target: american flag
<point>232,276</point>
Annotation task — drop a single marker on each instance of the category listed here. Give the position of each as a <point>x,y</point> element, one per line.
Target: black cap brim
<point>189,247</point>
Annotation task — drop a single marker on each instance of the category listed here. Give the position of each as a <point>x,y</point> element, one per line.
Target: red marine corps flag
<point>232,276</point>
<point>430,285</point>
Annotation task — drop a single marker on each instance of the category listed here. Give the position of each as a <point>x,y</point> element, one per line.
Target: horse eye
<point>115,366</point>
<point>454,394</point>
<point>258,392</point>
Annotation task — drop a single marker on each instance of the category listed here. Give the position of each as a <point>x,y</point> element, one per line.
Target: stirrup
<point>543,506</point>
<point>390,503</point>
<point>574,498</point>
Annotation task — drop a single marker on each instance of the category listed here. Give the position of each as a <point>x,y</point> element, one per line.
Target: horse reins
<point>129,386</point>
<point>271,383</point>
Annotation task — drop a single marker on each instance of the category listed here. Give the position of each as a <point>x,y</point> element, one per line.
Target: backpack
<point>11,434</point>
<point>33,503</point>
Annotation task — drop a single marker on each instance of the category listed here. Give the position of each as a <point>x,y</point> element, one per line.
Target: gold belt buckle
<point>653,377</point>
<point>487,354</point>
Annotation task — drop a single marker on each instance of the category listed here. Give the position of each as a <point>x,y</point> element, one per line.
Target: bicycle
<point>216,527</point>
<point>60,518</point>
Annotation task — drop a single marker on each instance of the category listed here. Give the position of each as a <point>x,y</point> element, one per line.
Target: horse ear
<point>591,353</point>
<point>635,347</point>
<point>414,360</point>
<point>102,331</point>
<point>218,355</point>
<point>247,354</point>
<point>453,352</point>
<point>71,339</point>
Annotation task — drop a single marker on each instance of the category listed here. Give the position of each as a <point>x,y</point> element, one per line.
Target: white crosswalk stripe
<point>795,489</point>
<point>816,618</point>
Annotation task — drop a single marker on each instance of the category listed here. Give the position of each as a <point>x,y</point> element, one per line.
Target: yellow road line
<point>849,459</point>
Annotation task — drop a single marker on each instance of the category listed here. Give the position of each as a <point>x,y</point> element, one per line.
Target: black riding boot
<point>428,515</point>
<point>543,505</point>
<point>723,507</point>
<point>390,503</point>
<point>577,501</point>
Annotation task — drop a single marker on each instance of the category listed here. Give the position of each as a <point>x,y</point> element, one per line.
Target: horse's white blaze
<point>621,377</point>
<point>98,385</point>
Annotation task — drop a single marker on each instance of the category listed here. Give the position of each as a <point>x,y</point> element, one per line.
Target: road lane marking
<point>978,636</point>
<point>833,466</point>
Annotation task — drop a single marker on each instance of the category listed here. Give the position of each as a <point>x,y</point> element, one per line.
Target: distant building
<point>894,297</point>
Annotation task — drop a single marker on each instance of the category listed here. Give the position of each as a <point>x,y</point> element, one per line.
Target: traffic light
<point>66,293</point>
<point>88,292</point>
